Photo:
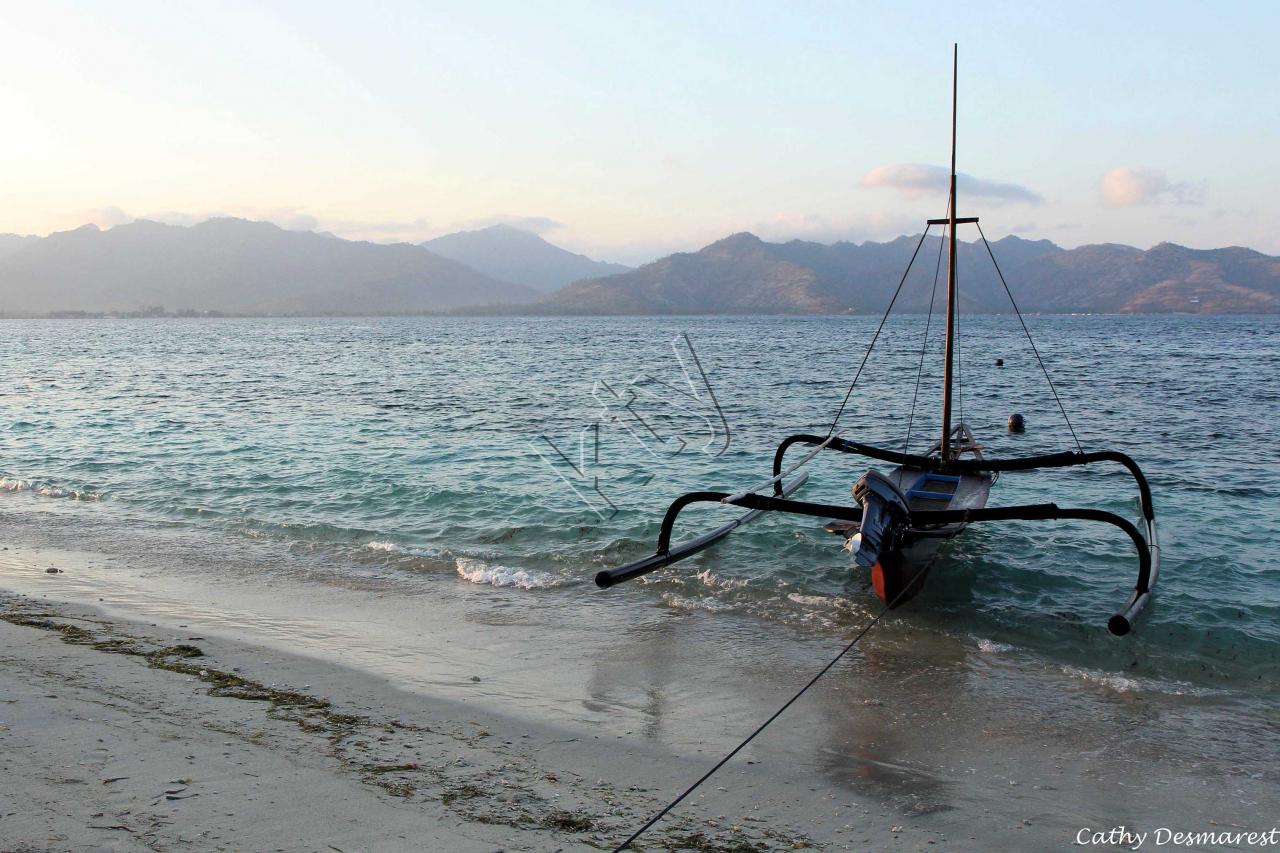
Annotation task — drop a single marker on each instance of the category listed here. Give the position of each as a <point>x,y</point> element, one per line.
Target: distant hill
<point>743,274</point>
<point>519,256</point>
<point>234,266</point>
<point>14,242</point>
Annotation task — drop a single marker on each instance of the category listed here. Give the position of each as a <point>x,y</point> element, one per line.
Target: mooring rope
<point>1031,341</point>
<point>776,714</point>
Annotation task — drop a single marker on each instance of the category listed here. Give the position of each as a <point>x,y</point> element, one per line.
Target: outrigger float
<point>903,517</point>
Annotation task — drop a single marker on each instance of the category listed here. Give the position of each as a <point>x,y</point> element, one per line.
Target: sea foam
<point>709,603</point>
<point>46,489</point>
<point>478,571</point>
<point>404,550</point>
<point>1118,683</point>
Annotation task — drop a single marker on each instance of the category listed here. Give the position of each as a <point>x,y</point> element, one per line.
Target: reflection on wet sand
<point>871,732</point>
<point>635,675</point>
<point>915,723</point>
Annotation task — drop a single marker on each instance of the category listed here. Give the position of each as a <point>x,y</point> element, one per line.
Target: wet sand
<point>319,717</point>
<point>125,736</point>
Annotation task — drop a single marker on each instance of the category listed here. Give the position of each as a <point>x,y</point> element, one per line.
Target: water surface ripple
<point>397,451</point>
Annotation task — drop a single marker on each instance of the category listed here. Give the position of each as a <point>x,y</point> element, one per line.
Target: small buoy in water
<point>999,362</point>
<point>1017,423</point>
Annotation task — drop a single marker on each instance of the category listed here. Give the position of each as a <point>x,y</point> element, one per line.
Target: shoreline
<point>176,716</point>
<point>468,313</point>
<point>560,746</point>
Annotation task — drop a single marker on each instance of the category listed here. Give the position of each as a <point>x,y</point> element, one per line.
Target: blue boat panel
<point>930,496</point>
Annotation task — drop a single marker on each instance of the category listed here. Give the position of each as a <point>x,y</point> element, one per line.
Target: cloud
<point>298,222</point>
<point>104,217</point>
<point>288,218</point>
<point>297,219</point>
<point>184,220</point>
<point>823,229</point>
<point>536,224</point>
<point>379,231</point>
<point>1130,186</point>
<point>917,179</point>
<point>637,253</point>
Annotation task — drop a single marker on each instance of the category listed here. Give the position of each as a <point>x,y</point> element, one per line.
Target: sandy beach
<point>170,729</point>
<point>124,735</point>
<point>120,736</point>
<point>716,427</point>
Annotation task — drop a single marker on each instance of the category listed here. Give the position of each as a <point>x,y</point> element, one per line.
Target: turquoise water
<point>427,450</point>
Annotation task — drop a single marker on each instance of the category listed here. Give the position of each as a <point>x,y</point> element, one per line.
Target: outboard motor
<point>884,509</point>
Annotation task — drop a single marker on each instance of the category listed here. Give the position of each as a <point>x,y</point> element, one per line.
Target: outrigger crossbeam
<point>1145,542</point>
<point>1066,459</point>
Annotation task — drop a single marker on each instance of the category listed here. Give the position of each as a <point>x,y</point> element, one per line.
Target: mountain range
<point>744,274</point>
<point>512,254</point>
<point>236,266</point>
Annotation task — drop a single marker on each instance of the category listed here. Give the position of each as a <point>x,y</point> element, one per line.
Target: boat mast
<point>951,272</point>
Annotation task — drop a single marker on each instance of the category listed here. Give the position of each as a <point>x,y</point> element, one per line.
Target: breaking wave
<point>404,550</point>
<point>709,603</point>
<point>47,489</point>
<point>478,571</point>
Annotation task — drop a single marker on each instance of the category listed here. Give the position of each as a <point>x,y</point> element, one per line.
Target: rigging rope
<point>876,336</point>
<point>959,355</point>
<point>776,714</point>
<point>933,295</point>
<point>1043,369</point>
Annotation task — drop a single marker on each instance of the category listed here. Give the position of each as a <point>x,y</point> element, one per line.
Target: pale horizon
<point>183,221</point>
<point>628,134</point>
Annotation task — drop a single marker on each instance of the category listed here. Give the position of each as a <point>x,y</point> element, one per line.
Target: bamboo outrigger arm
<point>1120,623</point>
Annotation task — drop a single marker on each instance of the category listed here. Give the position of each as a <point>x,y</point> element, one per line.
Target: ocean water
<point>523,455</point>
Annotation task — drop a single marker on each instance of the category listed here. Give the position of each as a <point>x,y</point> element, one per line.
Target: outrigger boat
<point>902,518</point>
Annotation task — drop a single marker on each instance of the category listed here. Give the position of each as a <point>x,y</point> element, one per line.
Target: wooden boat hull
<point>899,574</point>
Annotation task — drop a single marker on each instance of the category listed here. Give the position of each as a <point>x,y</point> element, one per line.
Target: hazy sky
<point>631,130</point>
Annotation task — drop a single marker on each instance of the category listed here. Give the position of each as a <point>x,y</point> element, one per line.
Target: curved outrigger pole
<point>1145,541</point>
<point>890,517</point>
